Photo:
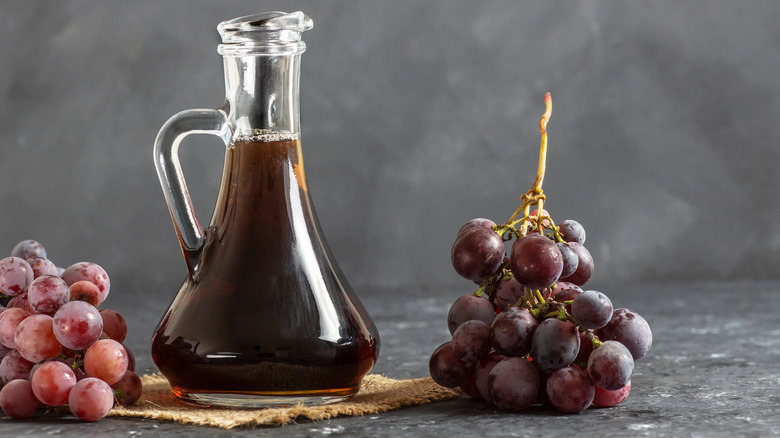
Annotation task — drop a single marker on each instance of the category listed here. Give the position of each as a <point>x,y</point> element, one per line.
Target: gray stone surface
<point>712,372</point>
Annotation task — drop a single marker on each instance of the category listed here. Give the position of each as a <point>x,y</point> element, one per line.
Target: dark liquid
<point>267,310</point>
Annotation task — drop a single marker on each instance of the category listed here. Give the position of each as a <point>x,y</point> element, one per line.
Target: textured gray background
<point>416,116</point>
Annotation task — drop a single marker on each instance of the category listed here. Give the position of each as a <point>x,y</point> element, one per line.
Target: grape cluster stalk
<point>530,334</point>
<point>57,350</point>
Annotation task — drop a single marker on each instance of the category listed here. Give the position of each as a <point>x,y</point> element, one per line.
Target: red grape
<point>77,325</point>
<point>468,307</point>
<point>85,291</point>
<point>476,223</point>
<point>513,331</point>
<point>446,369</point>
<point>42,266</point>
<point>91,399</point>
<point>128,389</point>
<point>48,293</point>
<point>114,324</point>
<point>107,360</point>
<point>28,248</point>
<point>15,276</point>
<point>35,338</point>
<point>90,272</point>
<point>18,400</point>
<point>9,320</point>
<point>52,383</point>
<point>14,366</point>
<point>471,340</point>
<point>477,253</point>
<point>607,399</point>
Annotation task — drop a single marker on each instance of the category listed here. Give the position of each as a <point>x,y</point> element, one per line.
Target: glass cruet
<point>265,316</point>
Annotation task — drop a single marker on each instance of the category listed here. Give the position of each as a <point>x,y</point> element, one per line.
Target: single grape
<point>570,390</point>
<point>592,309</point>
<point>42,266</point>
<point>35,338</point>
<point>18,400</point>
<point>562,285</point>
<point>611,365</point>
<point>482,372</point>
<point>446,369</point>
<point>477,254</point>
<point>508,291</point>
<point>48,293</point>
<point>85,291</point>
<point>513,331</point>
<point>584,266</point>
<point>630,329</point>
<point>476,223</point>
<point>52,382</point>
<point>536,261</point>
<point>77,325</point>
<point>107,360</point>
<point>555,344</point>
<point>14,366</point>
<point>88,271</point>
<point>471,340</point>
<point>114,325</point>
<point>9,320</point>
<point>513,384</point>
<point>468,307</point>
<point>570,259</point>
<point>572,231</point>
<point>470,388</point>
<point>128,389</point>
<point>91,399</point>
<point>607,399</point>
<point>15,276</point>
<point>28,248</point>
<point>533,215</point>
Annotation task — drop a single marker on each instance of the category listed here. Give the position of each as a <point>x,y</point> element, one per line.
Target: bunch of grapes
<point>56,347</point>
<point>530,334</point>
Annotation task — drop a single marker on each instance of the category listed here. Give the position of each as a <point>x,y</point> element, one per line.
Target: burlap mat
<point>377,394</point>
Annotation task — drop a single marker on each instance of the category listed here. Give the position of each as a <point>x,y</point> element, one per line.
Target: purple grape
<point>482,372</point>
<point>14,366</point>
<point>471,340</point>
<point>555,344</point>
<point>570,259</point>
<point>468,307</point>
<point>18,400</point>
<point>28,248</point>
<point>128,389</point>
<point>513,331</point>
<point>477,254</point>
<point>42,266</point>
<point>584,266</point>
<point>15,276</point>
<point>630,329</point>
<point>570,390</point>
<point>77,325</point>
<point>48,293</point>
<point>567,294</point>
<point>513,384</point>
<point>446,369</point>
<point>536,261</point>
<point>560,286</point>
<point>508,291</point>
<point>592,309</point>
<point>611,365</point>
<point>572,231</point>
<point>476,223</point>
<point>91,399</point>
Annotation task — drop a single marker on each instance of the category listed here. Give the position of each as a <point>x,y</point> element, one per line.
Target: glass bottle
<point>265,317</point>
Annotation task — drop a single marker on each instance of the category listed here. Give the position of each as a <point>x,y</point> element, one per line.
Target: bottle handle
<point>166,161</point>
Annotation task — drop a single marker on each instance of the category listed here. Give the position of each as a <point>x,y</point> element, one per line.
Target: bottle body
<point>267,314</point>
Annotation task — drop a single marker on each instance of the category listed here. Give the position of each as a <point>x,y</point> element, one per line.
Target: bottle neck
<point>263,96</point>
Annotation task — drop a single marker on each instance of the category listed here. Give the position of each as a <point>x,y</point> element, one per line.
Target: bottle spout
<point>267,33</point>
